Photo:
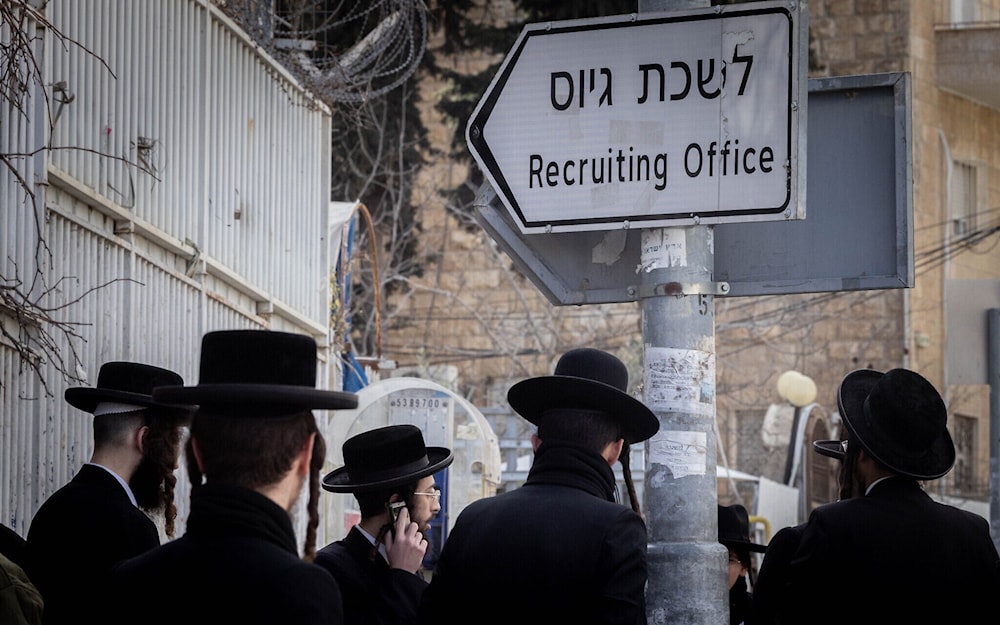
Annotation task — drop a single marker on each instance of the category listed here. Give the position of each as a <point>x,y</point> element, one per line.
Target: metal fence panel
<point>177,119</point>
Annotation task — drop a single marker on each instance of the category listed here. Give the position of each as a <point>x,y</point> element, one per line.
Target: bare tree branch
<point>40,334</point>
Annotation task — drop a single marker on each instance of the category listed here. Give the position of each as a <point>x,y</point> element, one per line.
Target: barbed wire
<point>346,51</point>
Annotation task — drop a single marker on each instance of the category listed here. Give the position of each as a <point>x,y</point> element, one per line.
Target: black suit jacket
<point>770,587</point>
<point>13,546</point>
<point>373,593</point>
<point>237,562</point>
<point>75,538</point>
<point>893,556</point>
<point>556,550</point>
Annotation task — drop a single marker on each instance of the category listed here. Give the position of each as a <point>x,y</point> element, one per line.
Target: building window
<point>963,11</point>
<point>750,455</point>
<point>963,199</point>
<point>963,430</point>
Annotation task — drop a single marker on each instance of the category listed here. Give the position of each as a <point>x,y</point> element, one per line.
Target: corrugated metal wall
<point>166,77</point>
<point>187,191</point>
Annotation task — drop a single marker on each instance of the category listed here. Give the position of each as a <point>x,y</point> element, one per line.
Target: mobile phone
<point>394,509</point>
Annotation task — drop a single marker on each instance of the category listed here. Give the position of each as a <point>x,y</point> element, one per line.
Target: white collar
<point>128,491</point>
<point>872,485</point>
<point>371,539</point>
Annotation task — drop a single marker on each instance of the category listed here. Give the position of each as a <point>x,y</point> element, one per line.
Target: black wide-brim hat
<point>128,383</point>
<point>385,457</point>
<point>588,379</point>
<point>900,419</point>
<point>734,529</point>
<point>260,373</point>
<point>830,448</point>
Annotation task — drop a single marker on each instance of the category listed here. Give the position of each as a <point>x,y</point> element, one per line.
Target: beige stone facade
<point>474,311</point>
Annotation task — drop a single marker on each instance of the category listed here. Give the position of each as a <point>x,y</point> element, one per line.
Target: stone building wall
<point>495,326</point>
<point>954,130</point>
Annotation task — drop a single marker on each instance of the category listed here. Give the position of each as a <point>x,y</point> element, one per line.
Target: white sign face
<point>647,120</point>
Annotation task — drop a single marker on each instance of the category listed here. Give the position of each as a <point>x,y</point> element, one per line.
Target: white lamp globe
<point>796,388</point>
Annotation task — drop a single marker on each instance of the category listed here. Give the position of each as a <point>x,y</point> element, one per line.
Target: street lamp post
<point>800,391</point>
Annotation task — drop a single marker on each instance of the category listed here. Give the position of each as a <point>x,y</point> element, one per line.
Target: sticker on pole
<point>649,120</point>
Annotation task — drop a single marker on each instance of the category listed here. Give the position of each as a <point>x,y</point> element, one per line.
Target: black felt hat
<point>257,373</point>
<point>734,529</point>
<point>900,419</point>
<point>831,448</point>
<point>128,383</point>
<point>589,379</point>
<point>385,457</point>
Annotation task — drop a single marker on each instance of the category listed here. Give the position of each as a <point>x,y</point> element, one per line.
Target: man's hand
<point>405,547</point>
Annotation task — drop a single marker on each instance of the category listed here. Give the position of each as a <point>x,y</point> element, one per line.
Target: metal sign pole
<point>687,565</point>
<point>993,375</point>
<point>688,583</point>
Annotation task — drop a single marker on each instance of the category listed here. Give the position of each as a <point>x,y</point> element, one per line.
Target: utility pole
<point>688,583</point>
<point>993,377</point>
<point>687,564</point>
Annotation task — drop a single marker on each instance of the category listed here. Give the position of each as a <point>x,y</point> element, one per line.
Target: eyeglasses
<point>436,494</point>
<point>735,561</point>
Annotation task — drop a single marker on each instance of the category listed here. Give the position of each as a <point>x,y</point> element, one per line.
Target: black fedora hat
<point>257,373</point>
<point>734,529</point>
<point>900,419</point>
<point>589,379</point>
<point>831,448</point>
<point>128,383</point>
<point>385,457</point>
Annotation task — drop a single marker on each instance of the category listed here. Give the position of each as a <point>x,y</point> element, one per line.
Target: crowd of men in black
<point>560,548</point>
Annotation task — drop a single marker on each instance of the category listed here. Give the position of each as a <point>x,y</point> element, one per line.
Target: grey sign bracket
<point>677,289</point>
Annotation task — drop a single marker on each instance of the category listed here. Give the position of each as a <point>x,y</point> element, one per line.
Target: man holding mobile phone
<point>391,474</point>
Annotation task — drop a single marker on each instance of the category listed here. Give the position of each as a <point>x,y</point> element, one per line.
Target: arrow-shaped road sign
<point>649,119</point>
